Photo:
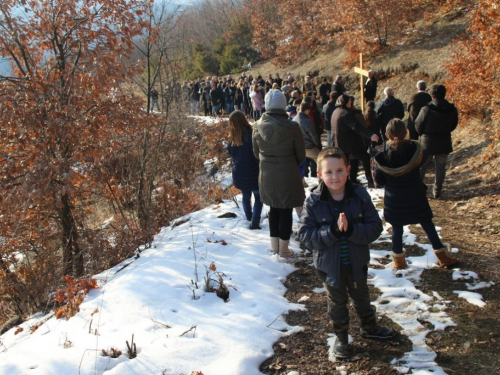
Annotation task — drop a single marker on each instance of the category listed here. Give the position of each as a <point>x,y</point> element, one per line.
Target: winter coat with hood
<point>387,109</point>
<point>279,144</point>
<point>405,200</point>
<point>311,137</point>
<point>319,231</point>
<point>348,132</point>
<point>434,123</point>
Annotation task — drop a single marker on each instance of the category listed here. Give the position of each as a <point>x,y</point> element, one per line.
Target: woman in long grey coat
<point>278,143</point>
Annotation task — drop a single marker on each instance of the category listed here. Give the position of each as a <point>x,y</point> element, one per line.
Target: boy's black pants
<point>337,298</point>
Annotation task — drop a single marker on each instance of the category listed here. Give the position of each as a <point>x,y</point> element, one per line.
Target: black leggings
<point>280,222</point>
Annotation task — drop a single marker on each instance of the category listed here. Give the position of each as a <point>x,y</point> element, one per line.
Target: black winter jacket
<point>216,97</point>
<point>348,132</point>
<point>370,89</point>
<point>328,109</point>
<point>405,200</point>
<point>386,110</point>
<point>316,231</point>
<point>434,123</point>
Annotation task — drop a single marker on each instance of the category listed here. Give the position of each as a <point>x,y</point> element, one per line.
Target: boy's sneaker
<point>341,346</point>
<point>378,332</point>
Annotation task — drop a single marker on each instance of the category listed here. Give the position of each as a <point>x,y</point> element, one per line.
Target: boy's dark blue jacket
<point>319,231</point>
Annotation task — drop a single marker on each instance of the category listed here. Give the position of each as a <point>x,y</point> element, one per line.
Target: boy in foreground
<point>339,221</point>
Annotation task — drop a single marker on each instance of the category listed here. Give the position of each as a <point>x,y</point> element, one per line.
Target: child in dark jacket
<point>405,200</point>
<point>339,221</point>
<point>245,166</point>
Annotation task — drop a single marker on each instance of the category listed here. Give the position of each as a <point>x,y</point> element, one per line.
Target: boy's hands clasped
<point>342,228</point>
<point>342,223</point>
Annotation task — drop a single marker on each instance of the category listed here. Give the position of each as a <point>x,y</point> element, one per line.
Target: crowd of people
<point>338,220</point>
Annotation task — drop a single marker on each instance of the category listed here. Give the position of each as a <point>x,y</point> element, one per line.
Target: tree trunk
<point>72,256</point>
<point>142,208</point>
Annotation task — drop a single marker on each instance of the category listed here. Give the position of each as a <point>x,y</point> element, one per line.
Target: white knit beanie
<point>275,99</point>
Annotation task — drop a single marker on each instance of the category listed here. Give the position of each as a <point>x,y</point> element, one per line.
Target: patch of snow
<point>471,297</point>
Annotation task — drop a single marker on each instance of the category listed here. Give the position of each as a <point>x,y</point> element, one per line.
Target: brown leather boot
<point>444,256</point>
<point>399,260</point>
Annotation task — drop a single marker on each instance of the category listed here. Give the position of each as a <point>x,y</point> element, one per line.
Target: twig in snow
<point>193,328</point>
<point>270,324</point>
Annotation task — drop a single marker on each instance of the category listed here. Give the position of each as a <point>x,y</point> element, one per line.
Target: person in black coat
<point>338,85</point>
<point>370,89</point>
<point>348,135</point>
<point>324,91</point>
<point>387,109</point>
<point>245,169</point>
<point>434,123</point>
<point>405,199</point>
<point>417,101</point>
<point>216,97</point>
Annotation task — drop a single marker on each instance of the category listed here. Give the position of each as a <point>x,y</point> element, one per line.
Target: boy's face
<point>334,173</point>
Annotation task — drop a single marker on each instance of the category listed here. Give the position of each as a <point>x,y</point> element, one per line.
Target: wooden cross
<point>362,73</point>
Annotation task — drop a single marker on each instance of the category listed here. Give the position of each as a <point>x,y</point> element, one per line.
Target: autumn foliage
<point>78,148</point>
<point>72,295</point>
<point>473,70</point>
<point>292,30</point>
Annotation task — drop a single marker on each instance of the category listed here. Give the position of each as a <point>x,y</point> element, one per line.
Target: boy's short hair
<point>331,152</point>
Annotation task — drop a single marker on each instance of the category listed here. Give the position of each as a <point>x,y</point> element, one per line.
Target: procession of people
<point>337,221</point>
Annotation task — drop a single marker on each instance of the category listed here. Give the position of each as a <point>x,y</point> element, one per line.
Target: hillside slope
<point>468,211</point>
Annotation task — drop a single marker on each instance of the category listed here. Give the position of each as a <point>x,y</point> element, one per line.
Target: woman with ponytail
<point>405,200</point>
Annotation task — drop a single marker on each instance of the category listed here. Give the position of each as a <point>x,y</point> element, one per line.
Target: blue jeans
<point>429,229</point>
<point>215,109</point>
<point>153,102</point>
<point>247,205</point>
<point>256,114</point>
<point>229,108</point>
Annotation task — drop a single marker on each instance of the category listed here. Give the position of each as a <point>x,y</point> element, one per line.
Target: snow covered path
<point>180,328</point>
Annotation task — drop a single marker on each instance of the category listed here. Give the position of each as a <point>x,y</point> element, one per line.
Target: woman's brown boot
<point>444,256</point>
<point>399,260</point>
